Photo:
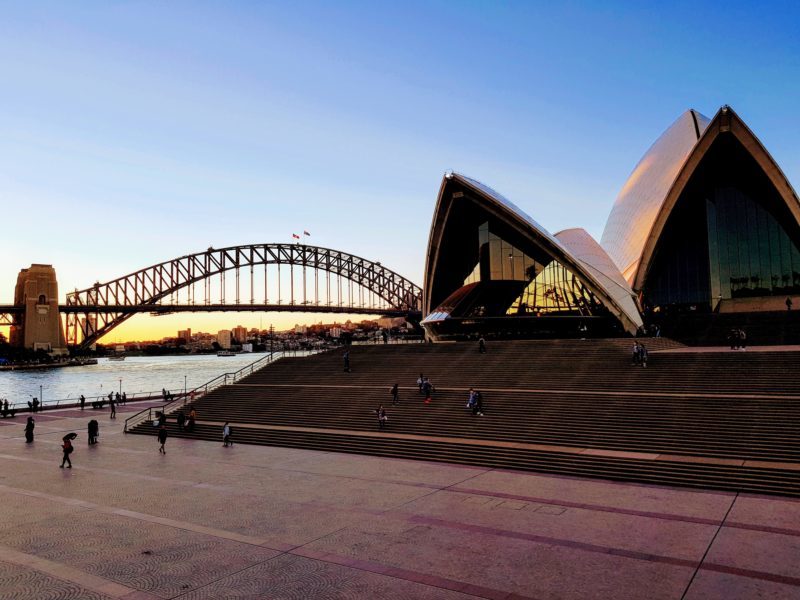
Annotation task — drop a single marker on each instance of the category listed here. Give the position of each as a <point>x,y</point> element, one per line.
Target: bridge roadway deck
<point>242,307</point>
<point>205,521</point>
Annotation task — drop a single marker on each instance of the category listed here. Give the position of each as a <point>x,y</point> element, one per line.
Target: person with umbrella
<point>29,430</point>
<point>67,447</point>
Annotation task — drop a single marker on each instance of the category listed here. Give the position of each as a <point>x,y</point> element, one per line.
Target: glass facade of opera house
<point>706,222</point>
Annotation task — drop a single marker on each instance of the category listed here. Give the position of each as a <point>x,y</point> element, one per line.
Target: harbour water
<point>134,375</point>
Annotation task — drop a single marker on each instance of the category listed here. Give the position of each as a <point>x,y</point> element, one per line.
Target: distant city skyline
<point>137,133</point>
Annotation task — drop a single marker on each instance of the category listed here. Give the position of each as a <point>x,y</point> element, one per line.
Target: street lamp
<point>120,387</point>
<point>41,399</point>
<point>184,386</point>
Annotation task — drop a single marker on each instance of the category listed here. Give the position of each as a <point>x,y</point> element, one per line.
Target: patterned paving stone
<point>297,578</point>
<point>362,527</point>
<point>519,566</point>
<point>146,556</point>
<point>19,583</point>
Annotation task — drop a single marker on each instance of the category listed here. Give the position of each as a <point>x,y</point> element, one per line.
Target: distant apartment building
<point>300,329</point>
<point>239,334</point>
<point>335,331</point>
<point>390,322</point>
<point>224,338</point>
<point>185,335</point>
<point>204,341</point>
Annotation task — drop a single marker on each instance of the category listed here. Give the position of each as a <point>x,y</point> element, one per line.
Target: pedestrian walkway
<point>207,522</point>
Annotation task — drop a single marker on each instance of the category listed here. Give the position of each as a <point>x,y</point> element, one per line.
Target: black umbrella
<point>70,436</point>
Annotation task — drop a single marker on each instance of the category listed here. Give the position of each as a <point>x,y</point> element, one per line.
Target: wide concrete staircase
<point>726,420</point>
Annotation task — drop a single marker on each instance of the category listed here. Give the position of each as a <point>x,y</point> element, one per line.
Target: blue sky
<point>134,132</point>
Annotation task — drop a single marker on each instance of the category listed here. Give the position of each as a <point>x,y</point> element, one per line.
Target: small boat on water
<point>116,358</point>
<point>226,353</point>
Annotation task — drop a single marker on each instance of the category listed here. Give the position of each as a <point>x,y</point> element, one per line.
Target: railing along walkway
<point>221,380</point>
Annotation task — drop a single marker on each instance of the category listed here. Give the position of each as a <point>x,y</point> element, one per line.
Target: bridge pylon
<point>38,326</point>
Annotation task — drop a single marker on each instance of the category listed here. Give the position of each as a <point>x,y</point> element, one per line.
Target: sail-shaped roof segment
<point>596,261</point>
<point>725,123</point>
<point>642,197</point>
<point>595,270</point>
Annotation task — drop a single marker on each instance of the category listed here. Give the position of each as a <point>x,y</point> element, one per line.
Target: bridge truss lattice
<point>257,277</point>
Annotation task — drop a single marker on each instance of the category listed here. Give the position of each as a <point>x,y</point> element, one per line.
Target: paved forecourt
<point>205,521</point>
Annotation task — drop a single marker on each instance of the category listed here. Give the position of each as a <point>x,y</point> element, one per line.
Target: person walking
<point>420,381</point>
<point>427,389</point>
<point>29,427</point>
<point>67,448</point>
<point>788,303</point>
<point>124,397</point>
<point>113,406</point>
<point>192,419</point>
<point>181,418</point>
<point>226,435</point>
<point>477,408</point>
<point>162,438</point>
<point>482,345</point>
<point>347,361</point>
<point>83,401</point>
<point>643,356</point>
<point>395,394</point>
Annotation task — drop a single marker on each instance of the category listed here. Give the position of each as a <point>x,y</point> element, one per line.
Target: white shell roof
<point>639,202</point>
<point>580,249</point>
<point>595,260</point>
<point>500,199</point>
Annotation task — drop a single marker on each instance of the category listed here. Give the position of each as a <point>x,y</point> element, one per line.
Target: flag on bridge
<point>295,236</point>
<point>306,233</point>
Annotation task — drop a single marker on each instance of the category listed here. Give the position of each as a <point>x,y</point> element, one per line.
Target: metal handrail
<point>391,341</point>
<point>70,401</point>
<point>221,380</point>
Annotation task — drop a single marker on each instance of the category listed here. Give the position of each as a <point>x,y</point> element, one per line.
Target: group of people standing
<point>737,339</point>
<point>425,387</point>
<point>639,355</point>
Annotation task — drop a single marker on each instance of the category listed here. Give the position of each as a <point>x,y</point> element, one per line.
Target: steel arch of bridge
<point>107,305</point>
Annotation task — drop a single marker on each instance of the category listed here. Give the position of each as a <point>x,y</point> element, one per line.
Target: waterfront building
<point>706,222</point>
<point>224,338</point>
<point>239,334</point>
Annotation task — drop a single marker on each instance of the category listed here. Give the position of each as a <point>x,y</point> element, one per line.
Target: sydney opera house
<point>706,223</point>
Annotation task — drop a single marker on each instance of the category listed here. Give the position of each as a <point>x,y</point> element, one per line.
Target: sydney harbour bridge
<point>255,278</point>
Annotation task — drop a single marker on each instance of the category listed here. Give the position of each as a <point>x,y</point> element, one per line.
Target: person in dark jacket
<point>181,420</point>
<point>93,430</point>
<point>29,426</point>
<point>395,394</point>
<point>162,438</point>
